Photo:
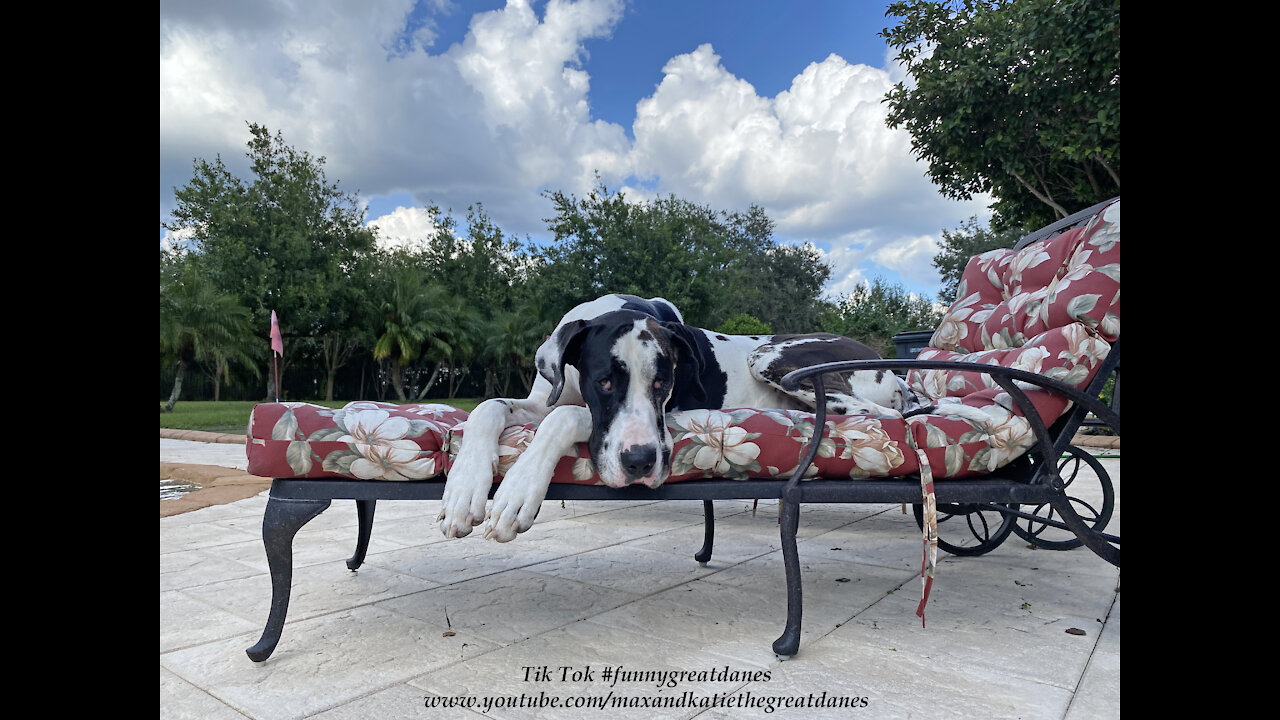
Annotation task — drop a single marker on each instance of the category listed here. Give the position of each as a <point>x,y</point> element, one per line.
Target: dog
<point>608,374</point>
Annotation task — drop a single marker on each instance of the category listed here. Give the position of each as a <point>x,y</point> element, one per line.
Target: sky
<point>415,103</point>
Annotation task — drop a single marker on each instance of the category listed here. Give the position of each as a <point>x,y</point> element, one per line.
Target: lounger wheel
<point>1093,498</point>
<point>969,528</point>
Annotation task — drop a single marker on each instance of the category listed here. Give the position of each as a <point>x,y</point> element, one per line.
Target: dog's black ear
<point>688,361</point>
<point>568,343</point>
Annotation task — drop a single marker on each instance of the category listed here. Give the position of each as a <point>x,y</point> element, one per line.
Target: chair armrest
<point>791,381</point>
<point>1004,377</point>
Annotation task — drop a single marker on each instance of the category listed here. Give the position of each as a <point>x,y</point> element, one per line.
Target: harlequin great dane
<point>607,376</point>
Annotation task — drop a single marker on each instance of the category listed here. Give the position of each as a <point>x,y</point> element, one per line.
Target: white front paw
<point>464,498</point>
<point>515,505</point>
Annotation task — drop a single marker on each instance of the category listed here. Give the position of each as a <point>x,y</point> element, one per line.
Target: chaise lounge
<point>1013,371</point>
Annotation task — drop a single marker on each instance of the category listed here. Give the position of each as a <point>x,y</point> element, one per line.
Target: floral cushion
<point>362,441</point>
<point>1006,297</point>
<point>752,443</point>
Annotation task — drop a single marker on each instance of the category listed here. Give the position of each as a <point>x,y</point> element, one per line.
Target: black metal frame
<point>294,502</point>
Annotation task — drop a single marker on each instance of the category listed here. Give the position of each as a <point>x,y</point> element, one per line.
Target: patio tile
<point>460,559</point>
<point>316,590</point>
<point>743,622</point>
<point>180,700</point>
<point>895,684</point>
<point>624,567</point>
<point>511,606</point>
<point>321,662</point>
<point>187,621</point>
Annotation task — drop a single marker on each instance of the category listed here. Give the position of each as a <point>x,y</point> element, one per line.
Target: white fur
<point>466,490</point>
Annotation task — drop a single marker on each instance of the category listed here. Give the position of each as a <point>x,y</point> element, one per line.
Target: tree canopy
<point>462,309</point>
<point>873,313</point>
<point>1018,98</point>
<point>711,264</point>
<point>286,242</point>
<point>198,323</point>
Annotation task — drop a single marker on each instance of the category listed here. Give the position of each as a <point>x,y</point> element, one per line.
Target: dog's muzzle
<point>638,462</point>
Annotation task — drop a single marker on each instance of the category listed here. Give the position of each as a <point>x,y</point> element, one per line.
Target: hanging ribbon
<point>930,559</point>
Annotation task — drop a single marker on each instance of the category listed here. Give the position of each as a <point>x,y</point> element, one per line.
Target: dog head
<point>628,367</point>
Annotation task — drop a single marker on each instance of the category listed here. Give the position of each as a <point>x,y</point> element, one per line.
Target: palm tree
<point>513,339</point>
<point>460,329</point>
<point>197,323</point>
<point>414,321</point>
<point>467,332</point>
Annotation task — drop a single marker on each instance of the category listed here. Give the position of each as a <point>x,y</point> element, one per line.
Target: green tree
<point>711,264</point>
<point>1018,98</point>
<point>783,285</point>
<point>967,241</point>
<point>199,323</point>
<point>873,313</point>
<point>467,333</point>
<point>512,339</point>
<point>414,318</point>
<point>744,324</point>
<point>486,266</point>
<point>287,241</point>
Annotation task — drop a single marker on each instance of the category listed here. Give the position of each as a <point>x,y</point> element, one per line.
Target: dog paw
<point>463,503</point>
<point>515,505</point>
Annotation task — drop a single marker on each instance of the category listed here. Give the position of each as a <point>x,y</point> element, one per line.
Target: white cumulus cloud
<point>404,227</point>
<point>504,113</point>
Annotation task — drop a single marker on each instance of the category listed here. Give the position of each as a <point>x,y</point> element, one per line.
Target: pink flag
<point>277,342</point>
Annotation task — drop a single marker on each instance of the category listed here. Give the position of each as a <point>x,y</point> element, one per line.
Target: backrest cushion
<point>1005,297</point>
<point>1051,308</point>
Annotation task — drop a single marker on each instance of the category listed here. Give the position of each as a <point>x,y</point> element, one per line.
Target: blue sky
<point>452,102</point>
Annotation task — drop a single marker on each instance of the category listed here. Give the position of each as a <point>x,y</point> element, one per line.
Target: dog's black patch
<point>700,381</point>
<point>660,310</point>
<point>823,348</point>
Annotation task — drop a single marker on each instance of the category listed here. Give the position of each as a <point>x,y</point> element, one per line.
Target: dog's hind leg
<point>466,489</point>
<point>867,392</point>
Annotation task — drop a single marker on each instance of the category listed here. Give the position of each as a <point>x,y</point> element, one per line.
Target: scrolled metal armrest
<point>1003,376</point>
<point>791,381</point>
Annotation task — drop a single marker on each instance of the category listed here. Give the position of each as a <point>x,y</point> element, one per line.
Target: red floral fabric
<point>742,444</point>
<point>363,440</point>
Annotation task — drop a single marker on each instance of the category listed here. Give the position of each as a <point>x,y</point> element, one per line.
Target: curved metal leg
<point>789,642</point>
<point>364,511</point>
<point>708,533</point>
<point>1084,531</point>
<point>280,522</point>
<point>1094,503</point>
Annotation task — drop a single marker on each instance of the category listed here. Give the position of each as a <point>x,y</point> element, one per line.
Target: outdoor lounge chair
<point>1014,369</point>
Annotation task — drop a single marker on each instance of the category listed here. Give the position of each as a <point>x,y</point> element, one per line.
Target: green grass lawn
<point>232,416</point>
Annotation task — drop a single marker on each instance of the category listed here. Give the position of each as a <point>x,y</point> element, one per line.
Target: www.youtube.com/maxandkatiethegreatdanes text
<point>663,687</point>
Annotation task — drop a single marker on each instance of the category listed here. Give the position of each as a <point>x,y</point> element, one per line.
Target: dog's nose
<point>638,461</point>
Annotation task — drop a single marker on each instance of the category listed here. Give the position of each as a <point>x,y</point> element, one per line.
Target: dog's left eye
<point>658,384</point>
<point>606,385</point>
